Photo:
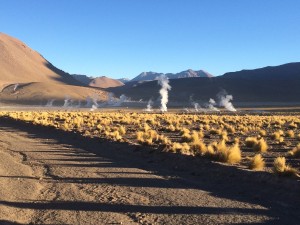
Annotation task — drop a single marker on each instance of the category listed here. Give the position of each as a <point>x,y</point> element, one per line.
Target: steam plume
<point>225,101</point>
<point>211,105</point>
<point>67,101</point>
<point>149,106</point>
<point>16,86</point>
<point>50,103</point>
<point>163,81</point>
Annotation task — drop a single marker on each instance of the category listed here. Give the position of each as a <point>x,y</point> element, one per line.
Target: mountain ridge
<point>100,82</point>
<point>146,76</point>
<point>244,88</point>
<point>26,76</point>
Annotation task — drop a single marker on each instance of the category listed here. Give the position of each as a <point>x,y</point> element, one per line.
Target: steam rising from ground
<point>115,102</point>
<point>225,101</point>
<point>50,103</point>
<point>91,102</point>
<point>149,106</point>
<point>211,105</point>
<point>163,81</point>
<point>16,86</point>
<point>67,102</point>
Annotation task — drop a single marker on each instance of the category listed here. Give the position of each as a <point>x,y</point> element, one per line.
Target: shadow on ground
<point>279,195</point>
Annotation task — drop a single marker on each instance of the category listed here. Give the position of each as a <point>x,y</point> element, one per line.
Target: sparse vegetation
<point>223,138</point>
<point>257,162</point>
<point>281,168</point>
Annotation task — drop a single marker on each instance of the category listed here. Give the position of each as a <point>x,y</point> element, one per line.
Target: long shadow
<point>122,208</point>
<point>279,195</point>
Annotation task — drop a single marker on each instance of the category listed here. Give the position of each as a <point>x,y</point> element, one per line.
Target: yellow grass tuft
<point>260,146</point>
<point>262,133</point>
<point>221,152</point>
<point>257,163</point>
<point>251,141</point>
<point>290,133</point>
<point>295,152</point>
<point>280,167</point>
<point>234,154</point>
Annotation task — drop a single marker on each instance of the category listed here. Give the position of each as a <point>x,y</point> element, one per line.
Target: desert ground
<point>62,176</point>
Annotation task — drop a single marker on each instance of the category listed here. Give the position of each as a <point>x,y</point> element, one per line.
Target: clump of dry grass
<point>295,152</point>
<point>182,148</point>
<point>280,168</point>
<point>122,130</point>
<point>276,136</point>
<point>147,137</point>
<point>251,141</point>
<point>290,133</point>
<point>262,133</point>
<point>234,154</point>
<point>221,152</point>
<point>185,134</point>
<point>257,162</point>
<point>115,135</point>
<point>260,146</point>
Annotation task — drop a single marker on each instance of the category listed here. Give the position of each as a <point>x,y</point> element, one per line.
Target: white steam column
<point>163,81</point>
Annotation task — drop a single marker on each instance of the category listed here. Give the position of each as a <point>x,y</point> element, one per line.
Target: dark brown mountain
<point>269,84</point>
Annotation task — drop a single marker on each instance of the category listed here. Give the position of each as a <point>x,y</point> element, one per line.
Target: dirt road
<point>51,177</point>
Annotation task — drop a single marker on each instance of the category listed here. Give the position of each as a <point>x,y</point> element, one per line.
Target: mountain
<point>285,71</point>
<point>124,80</point>
<point>33,78</point>
<point>21,64</point>
<point>263,86</point>
<point>82,78</point>
<point>105,82</point>
<point>100,82</point>
<point>184,74</point>
<point>188,74</point>
<point>147,76</point>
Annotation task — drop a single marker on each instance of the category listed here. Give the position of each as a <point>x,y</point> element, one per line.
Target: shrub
<point>295,152</point>
<point>257,162</point>
<point>262,133</point>
<point>251,141</point>
<point>234,154</point>
<point>276,136</point>
<point>226,154</point>
<point>280,167</point>
<point>290,133</point>
<point>180,147</point>
<point>122,130</point>
<point>260,146</point>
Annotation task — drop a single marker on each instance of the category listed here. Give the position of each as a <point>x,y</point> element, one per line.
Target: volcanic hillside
<point>269,85</point>
<point>27,77</point>
<point>100,82</point>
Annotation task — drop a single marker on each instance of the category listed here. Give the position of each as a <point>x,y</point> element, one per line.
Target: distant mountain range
<point>147,76</point>
<point>268,84</point>
<point>105,82</point>
<point>101,82</point>
<point>26,77</point>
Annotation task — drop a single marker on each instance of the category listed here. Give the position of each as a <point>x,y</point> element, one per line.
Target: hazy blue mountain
<point>184,74</point>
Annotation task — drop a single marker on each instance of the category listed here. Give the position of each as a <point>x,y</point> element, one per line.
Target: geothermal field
<point>114,160</point>
<point>180,146</point>
<point>111,163</point>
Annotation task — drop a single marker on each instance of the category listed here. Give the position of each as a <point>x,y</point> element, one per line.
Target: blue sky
<point>122,38</point>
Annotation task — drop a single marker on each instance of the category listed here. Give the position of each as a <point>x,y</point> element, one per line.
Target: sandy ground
<point>52,177</point>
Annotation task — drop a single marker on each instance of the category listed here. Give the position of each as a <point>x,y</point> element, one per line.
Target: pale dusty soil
<point>52,177</point>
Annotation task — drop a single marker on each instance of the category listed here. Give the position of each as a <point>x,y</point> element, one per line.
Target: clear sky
<point>122,38</point>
